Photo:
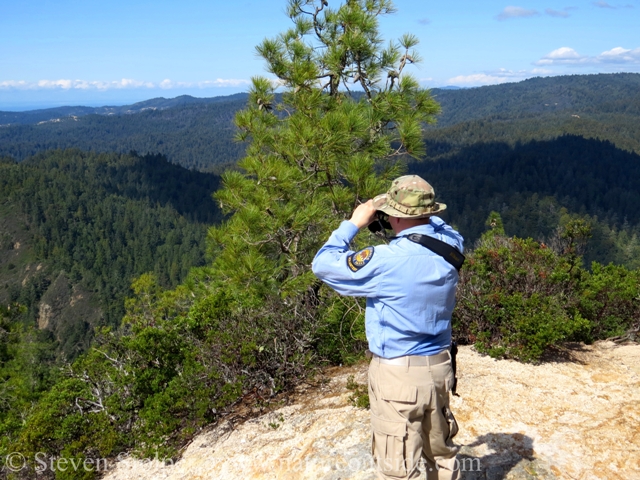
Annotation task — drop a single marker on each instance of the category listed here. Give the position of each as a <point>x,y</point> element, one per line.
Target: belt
<point>415,360</point>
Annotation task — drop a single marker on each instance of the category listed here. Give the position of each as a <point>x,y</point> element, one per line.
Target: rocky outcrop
<point>575,416</point>
<point>45,312</point>
<point>66,310</point>
<point>53,302</point>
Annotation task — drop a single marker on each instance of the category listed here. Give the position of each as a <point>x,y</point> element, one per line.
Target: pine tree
<point>348,112</point>
<point>347,116</point>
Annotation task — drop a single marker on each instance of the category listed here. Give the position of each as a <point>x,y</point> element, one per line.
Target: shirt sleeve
<point>349,273</point>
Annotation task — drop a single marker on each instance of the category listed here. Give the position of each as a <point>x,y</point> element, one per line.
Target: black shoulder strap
<point>446,251</point>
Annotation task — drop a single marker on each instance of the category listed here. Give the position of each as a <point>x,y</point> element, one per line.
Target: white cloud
<point>476,79</point>
<point>541,71</point>
<point>562,56</point>
<point>568,56</point>
<point>167,84</point>
<point>129,83</point>
<point>557,13</point>
<point>64,84</point>
<point>515,12</point>
<point>620,55</point>
<point>603,4</point>
<point>14,84</point>
<point>125,83</point>
<point>492,78</point>
<point>495,77</point>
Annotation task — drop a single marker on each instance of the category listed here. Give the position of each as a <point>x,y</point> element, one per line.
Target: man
<point>410,294</point>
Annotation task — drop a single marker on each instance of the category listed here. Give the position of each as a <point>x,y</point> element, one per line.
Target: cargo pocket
<point>388,446</point>
<point>451,422</point>
<point>399,393</point>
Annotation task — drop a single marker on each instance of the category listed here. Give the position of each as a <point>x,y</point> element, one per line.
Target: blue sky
<point>88,52</point>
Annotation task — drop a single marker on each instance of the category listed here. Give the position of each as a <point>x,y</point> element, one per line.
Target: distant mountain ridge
<point>32,117</point>
<point>199,132</point>
<point>601,93</point>
<point>534,95</point>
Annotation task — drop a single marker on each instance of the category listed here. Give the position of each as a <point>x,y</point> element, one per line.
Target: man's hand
<point>363,215</point>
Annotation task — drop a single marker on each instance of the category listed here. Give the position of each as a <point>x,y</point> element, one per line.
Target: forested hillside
<point>480,136</point>
<point>196,136</point>
<point>198,133</point>
<point>76,228</point>
<point>533,185</point>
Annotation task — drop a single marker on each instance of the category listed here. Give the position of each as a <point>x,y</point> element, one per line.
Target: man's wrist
<point>353,222</point>
<point>349,229</point>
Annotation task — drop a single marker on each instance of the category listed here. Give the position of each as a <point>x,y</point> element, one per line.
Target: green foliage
<point>517,297</point>
<point>544,98</point>
<point>257,320</point>
<point>610,300</point>
<point>481,142</point>
<point>602,107</point>
<point>198,135</point>
<point>494,222</point>
<point>62,426</point>
<point>117,386</point>
<point>341,337</point>
<point>96,221</point>
<point>26,360</point>
<point>277,424</point>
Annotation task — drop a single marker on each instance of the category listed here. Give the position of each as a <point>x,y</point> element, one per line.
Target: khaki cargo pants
<point>410,418</point>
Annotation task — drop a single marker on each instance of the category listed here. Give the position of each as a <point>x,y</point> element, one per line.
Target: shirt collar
<point>427,229</point>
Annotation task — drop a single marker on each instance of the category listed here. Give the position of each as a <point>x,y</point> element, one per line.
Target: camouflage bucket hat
<point>409,197</point>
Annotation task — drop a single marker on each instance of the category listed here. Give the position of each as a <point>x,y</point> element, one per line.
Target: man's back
<point>410,290</point>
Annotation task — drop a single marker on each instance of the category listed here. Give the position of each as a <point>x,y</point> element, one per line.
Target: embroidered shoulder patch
<point>359,259</point>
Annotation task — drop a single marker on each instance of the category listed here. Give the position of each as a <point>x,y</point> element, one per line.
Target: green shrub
<point>610,300</point>
<point>341,336</point>
<point>516,298</point>
<point>66,425</point>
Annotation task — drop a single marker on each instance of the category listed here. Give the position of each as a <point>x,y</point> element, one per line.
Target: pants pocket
<point>451,422</point>
<point>388,446</point>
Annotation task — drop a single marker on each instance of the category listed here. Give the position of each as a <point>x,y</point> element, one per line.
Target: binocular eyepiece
<point>380,223</point>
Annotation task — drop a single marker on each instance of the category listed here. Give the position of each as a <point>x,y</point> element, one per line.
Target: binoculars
<point>380,223</point>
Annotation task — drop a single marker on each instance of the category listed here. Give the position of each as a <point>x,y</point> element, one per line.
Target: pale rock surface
<point>575,416</point>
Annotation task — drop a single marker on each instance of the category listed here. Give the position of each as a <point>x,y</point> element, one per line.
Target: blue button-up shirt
<point>410,290</point>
